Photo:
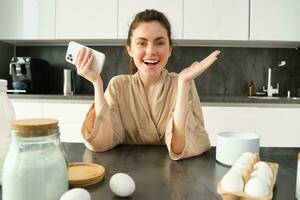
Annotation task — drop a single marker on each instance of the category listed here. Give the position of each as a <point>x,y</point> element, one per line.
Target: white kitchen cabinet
<point>216,19</point>
<point>27,19</point>
<point>128,8</point>
<point>69,114</point>
<point>27,109</point>
<point>277,127</point>
<point>218,119</point>
<point>93,19</point>
<point>275,20</point>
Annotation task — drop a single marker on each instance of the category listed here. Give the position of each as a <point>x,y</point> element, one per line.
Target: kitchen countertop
<point>158,177</point>
<point>206,100</point>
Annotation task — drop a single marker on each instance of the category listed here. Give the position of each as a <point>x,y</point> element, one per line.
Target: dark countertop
<point>204,99</point>
<point>158,177</point>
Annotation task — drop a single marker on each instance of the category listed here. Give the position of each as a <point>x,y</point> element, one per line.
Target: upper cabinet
<point>231,21</point>
<point>27,19</point>
<point>93,19</point>
<point>275,20</point>
<point>216,19</point>
<point>128,8</point>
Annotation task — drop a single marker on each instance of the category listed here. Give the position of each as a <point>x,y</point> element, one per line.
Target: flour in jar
<point>34,174</point>
<point>4,144</point>
<point>7,114</point>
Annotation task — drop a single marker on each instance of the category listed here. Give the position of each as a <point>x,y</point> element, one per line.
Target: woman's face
<point>150,48</point>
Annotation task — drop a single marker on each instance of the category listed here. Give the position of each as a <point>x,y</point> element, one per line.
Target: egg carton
<point>243,196</point>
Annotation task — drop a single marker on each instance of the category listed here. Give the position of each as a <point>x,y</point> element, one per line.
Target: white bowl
<point>231,145</point>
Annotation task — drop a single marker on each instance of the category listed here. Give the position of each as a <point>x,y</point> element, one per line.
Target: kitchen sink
<point>295,98</point>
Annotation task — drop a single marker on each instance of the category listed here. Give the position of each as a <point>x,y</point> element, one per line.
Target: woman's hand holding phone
<point>84,60</point>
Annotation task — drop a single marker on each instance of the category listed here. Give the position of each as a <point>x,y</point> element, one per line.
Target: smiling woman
<point>150,106</point>
<point>149,27</point>
<point>150,50</point>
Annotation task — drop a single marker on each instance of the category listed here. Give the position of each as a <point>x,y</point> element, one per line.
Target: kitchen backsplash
<point>6,52</point>
<point>230,75</point>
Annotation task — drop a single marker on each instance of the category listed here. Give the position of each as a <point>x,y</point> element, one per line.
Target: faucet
<point>270,90</point>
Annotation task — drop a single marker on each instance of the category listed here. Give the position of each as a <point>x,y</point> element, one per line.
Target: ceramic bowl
<point>231,145</point>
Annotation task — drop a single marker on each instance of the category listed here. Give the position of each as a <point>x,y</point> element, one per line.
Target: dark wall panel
<point>6,52</point>
<point>230,75</point>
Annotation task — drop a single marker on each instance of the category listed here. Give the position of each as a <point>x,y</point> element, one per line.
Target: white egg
<point>122,184</point>
<point>242,160</point>
<point>247,155</point>
<point>240,168</point>
<point>237,169</point>
<point>256,187</point>
<point>264,167</point>
<point>76,194</point>
<point>232,182</point>
<point>261,175</point>
<point>241,165</point>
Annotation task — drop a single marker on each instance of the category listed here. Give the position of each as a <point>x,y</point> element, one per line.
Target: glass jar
<point>298,179</point>
<point>35,167</point>
<point>7,114</point>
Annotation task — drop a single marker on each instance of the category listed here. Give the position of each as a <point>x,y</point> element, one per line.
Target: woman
<point>150,106</point>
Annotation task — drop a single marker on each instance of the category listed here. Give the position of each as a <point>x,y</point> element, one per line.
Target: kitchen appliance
<point>231,145</point>
<point>30,74</point>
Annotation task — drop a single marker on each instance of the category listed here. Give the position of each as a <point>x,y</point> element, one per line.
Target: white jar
<point>35,167</point>
<point>7,114</point>
<point>298,179</point>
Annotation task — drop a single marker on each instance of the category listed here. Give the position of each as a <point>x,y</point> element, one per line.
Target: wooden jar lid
<point>34,127</point>
<point>83,174</point>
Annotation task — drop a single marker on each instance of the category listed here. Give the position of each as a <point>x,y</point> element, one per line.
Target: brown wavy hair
<point>147,16</point>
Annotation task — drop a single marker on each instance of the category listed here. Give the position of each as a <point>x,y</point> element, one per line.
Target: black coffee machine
<point>30,74</point>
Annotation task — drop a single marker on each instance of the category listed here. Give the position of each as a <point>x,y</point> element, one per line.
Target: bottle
<point>7,114</point>
<point>67,82</point>
<point>35,167</point>
<point>298,179</point>
<point>251,89</point>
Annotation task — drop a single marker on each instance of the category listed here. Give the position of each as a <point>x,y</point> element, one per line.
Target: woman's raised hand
<point>197,68</point>
<point>84,61</point>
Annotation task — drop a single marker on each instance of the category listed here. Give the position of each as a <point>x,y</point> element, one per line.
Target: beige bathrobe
<point>130,117</point>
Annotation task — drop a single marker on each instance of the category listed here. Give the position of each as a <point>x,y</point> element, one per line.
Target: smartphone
<point>74,48</point>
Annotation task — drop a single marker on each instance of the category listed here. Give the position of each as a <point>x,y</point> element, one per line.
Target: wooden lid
<point>298,156</point>
<point>83,174</point>
<point>34,127</point>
